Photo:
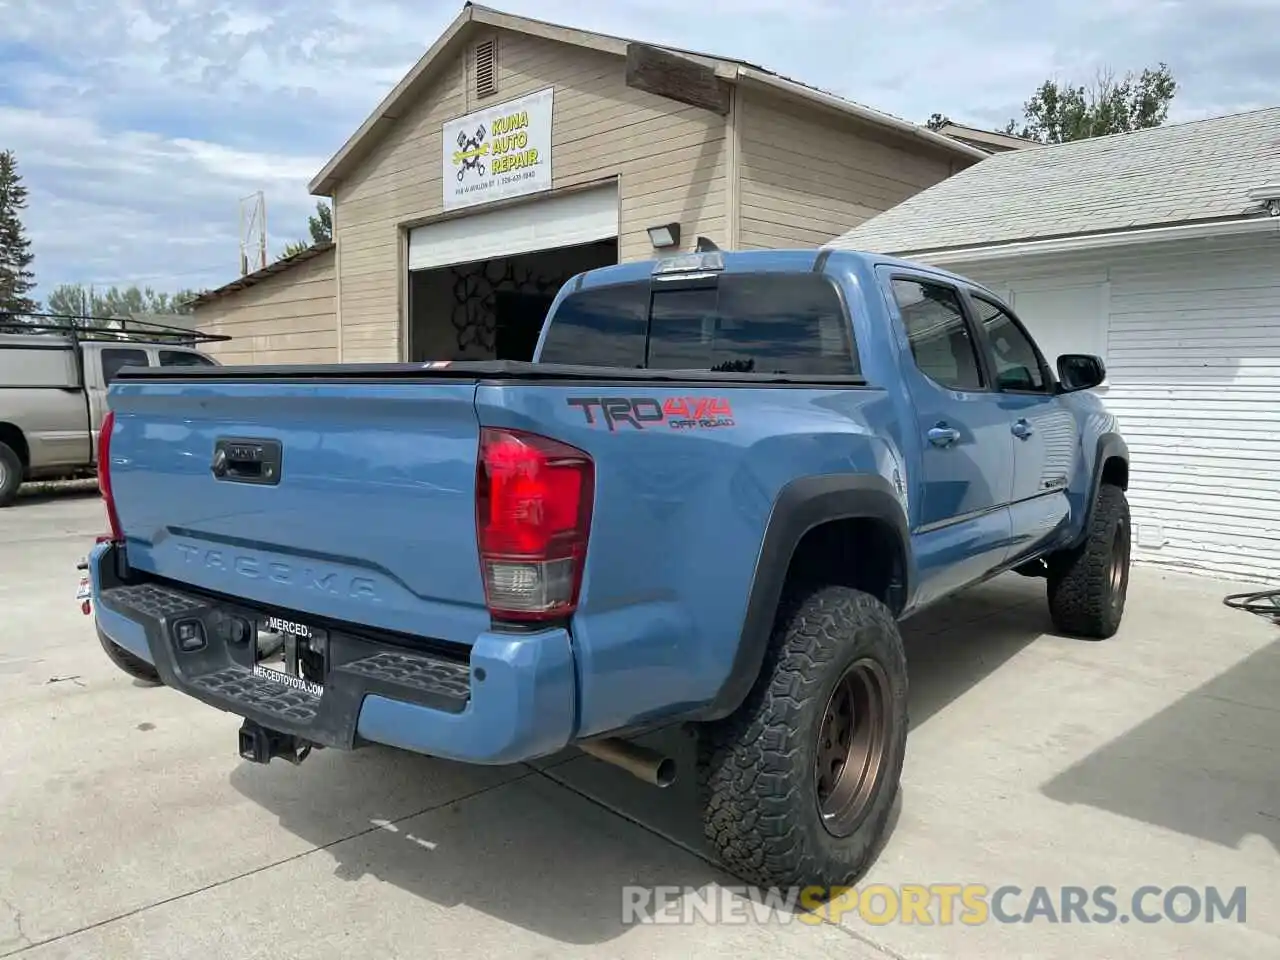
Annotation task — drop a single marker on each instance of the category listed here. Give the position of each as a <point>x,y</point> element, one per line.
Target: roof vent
<point>487,67</point>
<point>1269,196</point>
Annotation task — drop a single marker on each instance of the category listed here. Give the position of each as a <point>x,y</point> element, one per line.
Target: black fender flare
<point>1109,446</point>
<point>801,505</point>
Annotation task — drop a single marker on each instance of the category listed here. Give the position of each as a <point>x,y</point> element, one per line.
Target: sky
<point>139,125</point>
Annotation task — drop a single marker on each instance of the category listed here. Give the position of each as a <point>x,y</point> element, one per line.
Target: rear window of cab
<point>768,323</point>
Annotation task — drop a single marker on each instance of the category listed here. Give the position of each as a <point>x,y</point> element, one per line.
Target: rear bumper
<point>511,699</point>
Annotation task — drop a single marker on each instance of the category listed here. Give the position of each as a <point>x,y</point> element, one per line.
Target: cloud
<point>140,124</point>
<point>119,207</point>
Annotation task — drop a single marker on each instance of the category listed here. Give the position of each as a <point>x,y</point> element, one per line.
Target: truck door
<point>961,523</point>
<point>1045,433</point>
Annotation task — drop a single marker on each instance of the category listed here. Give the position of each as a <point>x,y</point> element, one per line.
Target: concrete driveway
<point>130,828</point>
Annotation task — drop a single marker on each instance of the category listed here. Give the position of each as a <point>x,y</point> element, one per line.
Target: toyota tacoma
<point>710,498</point>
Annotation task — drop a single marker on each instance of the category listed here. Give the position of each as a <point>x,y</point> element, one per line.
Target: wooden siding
<point>286,318</point>
<point>669,160</point>
<point>1193,370</point>
<point>807,175</point>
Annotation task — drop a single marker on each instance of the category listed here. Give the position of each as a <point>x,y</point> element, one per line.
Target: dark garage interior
<point>493,309</point>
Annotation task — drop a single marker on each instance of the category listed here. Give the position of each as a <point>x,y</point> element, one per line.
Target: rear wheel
<point>1088,585</point>
<point>10,474</point>
<point>134,666</point>
<point>798,785</point>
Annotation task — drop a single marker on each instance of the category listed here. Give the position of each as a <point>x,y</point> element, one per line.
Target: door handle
<point>1022,429</point>
<point>246,461</point>
<point>943,436</point>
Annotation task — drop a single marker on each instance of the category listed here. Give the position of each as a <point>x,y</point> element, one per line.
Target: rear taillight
<point>104,479</point>
<point>533,516</point>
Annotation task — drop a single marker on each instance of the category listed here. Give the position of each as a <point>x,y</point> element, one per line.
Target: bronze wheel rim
<point>853,741</point>
<point>1119,565</point>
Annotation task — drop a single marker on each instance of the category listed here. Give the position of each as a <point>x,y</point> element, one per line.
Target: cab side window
<point>1017,363</point>
<point>941,344</point>
<point>113,358</point>
<point>183,358</point>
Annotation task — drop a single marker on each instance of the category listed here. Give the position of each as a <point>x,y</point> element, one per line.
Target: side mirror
<point>1080,371</point>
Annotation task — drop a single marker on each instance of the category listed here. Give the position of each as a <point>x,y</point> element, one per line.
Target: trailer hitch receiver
<point>261,745</point>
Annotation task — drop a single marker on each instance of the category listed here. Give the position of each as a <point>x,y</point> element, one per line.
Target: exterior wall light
<point>666,235</point>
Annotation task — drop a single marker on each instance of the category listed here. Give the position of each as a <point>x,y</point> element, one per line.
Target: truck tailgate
<point>368,515</point>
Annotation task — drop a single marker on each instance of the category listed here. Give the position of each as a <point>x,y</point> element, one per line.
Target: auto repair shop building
<point>518,153</point>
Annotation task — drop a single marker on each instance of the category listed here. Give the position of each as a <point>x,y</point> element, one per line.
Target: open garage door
<point>582,217</point>
<point>480,286</point>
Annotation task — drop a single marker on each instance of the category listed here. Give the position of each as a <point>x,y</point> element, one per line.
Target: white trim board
<point>1088,242</point>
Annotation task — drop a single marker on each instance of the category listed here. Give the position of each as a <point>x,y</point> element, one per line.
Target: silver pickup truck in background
<point>54,375</point>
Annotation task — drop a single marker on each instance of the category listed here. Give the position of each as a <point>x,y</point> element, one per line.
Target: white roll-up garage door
<point>1063,318</point>
<point>584,216</point>
<point>1193,368</point>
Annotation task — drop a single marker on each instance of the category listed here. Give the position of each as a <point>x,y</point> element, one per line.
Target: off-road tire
<point>756,776</point>
<point>134,666</point>
<point>10,475</point>
<point>1086,593</point>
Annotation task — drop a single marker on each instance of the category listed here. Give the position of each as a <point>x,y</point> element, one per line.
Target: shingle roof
<point>270,270</point>
<point>1186,172</point>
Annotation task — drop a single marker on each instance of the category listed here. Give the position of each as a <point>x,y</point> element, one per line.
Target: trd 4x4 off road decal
<point>678,413</point>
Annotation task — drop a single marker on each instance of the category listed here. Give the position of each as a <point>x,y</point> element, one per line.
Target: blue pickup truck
<point>711,497</point>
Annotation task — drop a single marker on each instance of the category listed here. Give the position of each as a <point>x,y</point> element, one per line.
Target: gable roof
<point>473,16</point>
<point>1197,172</point>
<point>993,141</point>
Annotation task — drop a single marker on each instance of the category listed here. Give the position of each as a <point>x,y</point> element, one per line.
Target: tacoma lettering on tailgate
<point>305,578</point>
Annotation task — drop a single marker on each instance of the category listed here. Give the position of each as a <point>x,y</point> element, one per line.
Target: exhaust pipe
<point>649,765</point>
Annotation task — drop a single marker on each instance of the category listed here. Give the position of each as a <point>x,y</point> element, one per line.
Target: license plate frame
<point>283,664</point>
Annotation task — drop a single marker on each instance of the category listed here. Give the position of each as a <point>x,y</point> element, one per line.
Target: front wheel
<point>1089,584</point>
<point>10,474</point>
<point>134,666</point>
<point>797,787</point>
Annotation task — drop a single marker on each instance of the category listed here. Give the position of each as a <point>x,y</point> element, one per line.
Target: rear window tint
<point>767,323</point>
<point>603,327</point>
<point>753,323</point>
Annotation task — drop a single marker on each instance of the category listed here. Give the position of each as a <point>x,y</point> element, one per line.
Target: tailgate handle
<point>246,461</point>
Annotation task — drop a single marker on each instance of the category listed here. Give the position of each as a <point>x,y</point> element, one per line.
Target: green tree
<point>16,277</point>
<point>1059,113</point>
<point>73,299</point>
<point>320,225</point>
<point>180,302</point>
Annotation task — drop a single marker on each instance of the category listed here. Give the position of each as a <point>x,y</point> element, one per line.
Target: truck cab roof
<point>792,260</point>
